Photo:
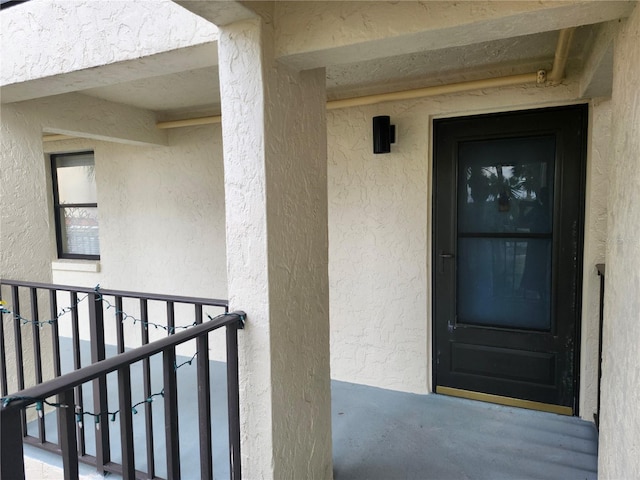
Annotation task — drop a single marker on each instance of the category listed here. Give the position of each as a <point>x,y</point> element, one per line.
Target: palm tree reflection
<point>506,275</point>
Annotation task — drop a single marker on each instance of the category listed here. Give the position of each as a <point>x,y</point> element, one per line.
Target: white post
<point>25,231</point>
<point>275,160</point>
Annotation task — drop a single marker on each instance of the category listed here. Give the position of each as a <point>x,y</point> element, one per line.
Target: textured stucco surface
<point>298,274</point>
<point>25,227</point>
<point>61,36</point>
<point>87,117</point>
<point>620,428</point>
<point>152,199</point>
<point>380,230</point>
<point>276,199</point>
<point>598,165</point>
<point>312,34</point>
<point>162,225</point>
<point>378,209</point>
<point>162,209</point>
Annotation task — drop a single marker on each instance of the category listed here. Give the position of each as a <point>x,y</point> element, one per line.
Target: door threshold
<point>508,401</point>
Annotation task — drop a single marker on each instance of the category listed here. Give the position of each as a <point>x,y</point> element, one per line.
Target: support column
<point>26,236</point>
<point>274,136</point>
<point>26,243</point>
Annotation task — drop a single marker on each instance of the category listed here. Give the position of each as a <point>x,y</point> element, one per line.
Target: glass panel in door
<point>505,232</point>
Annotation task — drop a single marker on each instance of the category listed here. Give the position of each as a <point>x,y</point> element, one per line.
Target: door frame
<point>582,236</point>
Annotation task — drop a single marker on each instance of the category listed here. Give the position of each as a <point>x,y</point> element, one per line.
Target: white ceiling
<point>178,95</point>
<point>192,89</point>
<point>366,48</point>
<point>509,56</point>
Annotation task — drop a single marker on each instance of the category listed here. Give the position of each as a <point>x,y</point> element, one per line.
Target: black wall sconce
<point>384,134</point>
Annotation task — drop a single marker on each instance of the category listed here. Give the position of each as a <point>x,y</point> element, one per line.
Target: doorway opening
<point>507,254</point>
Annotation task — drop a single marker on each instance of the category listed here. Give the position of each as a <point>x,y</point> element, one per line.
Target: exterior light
<point>384,134</point>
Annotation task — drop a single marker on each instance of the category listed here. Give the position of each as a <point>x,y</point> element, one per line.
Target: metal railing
<point>69,405</point>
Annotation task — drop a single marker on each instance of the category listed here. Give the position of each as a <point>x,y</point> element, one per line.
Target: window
<point>76,205</point>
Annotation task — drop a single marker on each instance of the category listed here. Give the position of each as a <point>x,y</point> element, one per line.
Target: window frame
<point>58,207</point>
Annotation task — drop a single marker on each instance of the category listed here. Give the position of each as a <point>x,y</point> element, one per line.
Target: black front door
<point>508,231</point>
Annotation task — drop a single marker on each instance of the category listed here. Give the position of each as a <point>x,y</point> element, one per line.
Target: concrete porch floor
<point>388,435</point>
<point>385,435</point>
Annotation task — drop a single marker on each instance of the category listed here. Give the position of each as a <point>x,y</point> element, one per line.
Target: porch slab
<point>387,435</point>
<point>382,434</point>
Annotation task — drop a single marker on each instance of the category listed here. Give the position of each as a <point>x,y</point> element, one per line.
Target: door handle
<point>444,256</point>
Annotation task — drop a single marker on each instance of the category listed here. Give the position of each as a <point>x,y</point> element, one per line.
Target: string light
<point>107,306</point>
<point>113,415</point>
<point>38,405</point>
<point>40,402</point>
<point>188,362</point>
<point>80,413</point>
<point>126,316</point>
<point>40,323</point>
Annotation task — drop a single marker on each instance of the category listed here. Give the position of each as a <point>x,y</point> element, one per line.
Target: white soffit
<point>218,12</point>
<point>319,34</point>
<point>510,56</point>
<point>55,46</point>
<point>176,91</point>
<point>183,80</point>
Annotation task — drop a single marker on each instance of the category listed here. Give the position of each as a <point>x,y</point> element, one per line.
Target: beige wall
<point>61,36</point>
<point>26,237</point>
<point>162,225</point>
<point>620,428</point>
<point>598,160</point>
<point>380,230</point>
<point>162,216</point>
<point>275,160</point>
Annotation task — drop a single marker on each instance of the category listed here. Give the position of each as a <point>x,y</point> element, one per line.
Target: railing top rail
<point>73,379</point>
<point>212,302</point>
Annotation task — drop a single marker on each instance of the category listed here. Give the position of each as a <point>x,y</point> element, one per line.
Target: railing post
<point>77,365</point>
<point>126,423</point>
<point>37,350</point>
<point>68,387</point>
<point>11,454</point>
<point>3,359</point>
<point>17,345</point>
<point>146,384</point>
<point>172,441</point>
<point>233,402</point>
<point>204,401</point>
<point>96,325</point>
<point>55,342</point>
<point>68,440</point>
<point>601,272</point>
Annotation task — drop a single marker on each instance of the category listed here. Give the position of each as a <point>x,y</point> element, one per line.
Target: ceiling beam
<point>317,34</point>
<point>81,116</point>
<point>172,61</point>
<point>597,74</point>
<point>219,13</point>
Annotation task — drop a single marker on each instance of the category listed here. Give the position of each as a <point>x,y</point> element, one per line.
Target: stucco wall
<point>380,230</point>
<point>598,165</point>
<point>161,215</point>
<point>276,190</point>
<point>61,36</point>
<point>378,216</point>
<point>25,234</point>
<point>162,224</point>
<point>25,248</point>
<point>620,429</point>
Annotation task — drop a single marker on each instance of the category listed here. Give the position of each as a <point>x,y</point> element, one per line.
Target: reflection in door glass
<point>506,185</point>
<point>504,282</point>
<point>505,222</point>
